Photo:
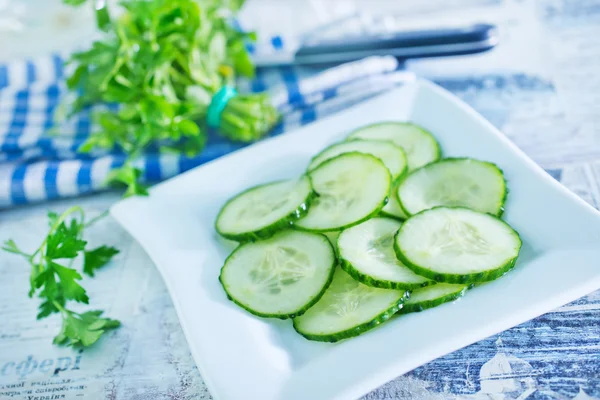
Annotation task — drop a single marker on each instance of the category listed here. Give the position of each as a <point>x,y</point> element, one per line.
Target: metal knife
<point>403,45</point>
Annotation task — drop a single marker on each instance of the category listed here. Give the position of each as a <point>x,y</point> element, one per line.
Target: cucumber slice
<point>419,145</point>
<point>352,187</point>
<point>348,308</point>
<point>393,208</point>
<point>391,155</point>
<point>366,252</point>
<point>457,245</point>
<point>432,296</point>
<point>280,277</point>
<point>261,211</point>
<point>454,182</point>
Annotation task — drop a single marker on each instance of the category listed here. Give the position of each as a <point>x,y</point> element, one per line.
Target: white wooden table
<point>540,86</point>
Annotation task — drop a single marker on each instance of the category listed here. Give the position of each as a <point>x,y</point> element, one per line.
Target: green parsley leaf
<point>83,329</point>
<point>64,241</point>
<point>47,308</point>
<point>52,218</point>
<point>71,290</point>
<point>35,283</point>
<point>50,291</point>
<point>11,247</point>
<point>97,258</point>
<point>74,2</point>
<point>130,176</point>
<point>102,15</point>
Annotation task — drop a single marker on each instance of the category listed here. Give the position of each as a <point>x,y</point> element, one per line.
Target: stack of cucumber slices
<point>379,225</point>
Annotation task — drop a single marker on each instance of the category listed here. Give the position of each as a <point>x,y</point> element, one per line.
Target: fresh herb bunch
<point>162,61</point>
<point>55,281</point>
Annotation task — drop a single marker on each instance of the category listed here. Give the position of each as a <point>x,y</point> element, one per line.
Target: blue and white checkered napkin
<point>36,165</point>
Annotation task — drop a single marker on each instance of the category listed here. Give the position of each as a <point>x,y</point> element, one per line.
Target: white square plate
<point>244,357</point>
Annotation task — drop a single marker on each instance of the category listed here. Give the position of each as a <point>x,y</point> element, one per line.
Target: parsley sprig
<point>56,283</point>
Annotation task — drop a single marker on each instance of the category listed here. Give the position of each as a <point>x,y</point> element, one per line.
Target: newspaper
<point>541,87</point>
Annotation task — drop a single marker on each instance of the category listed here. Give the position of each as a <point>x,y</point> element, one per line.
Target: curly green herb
<point>162,61</point>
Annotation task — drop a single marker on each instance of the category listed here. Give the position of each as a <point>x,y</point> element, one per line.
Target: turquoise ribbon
<point>218,104</point>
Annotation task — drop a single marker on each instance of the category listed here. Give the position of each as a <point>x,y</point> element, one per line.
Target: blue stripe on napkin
<point>3,76</point>
<point>17,186</point>
<point>31,74</point>
<point>50,179</point>
<point>58,66</point>
<point>152,169</point>
<point>84,177</point>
